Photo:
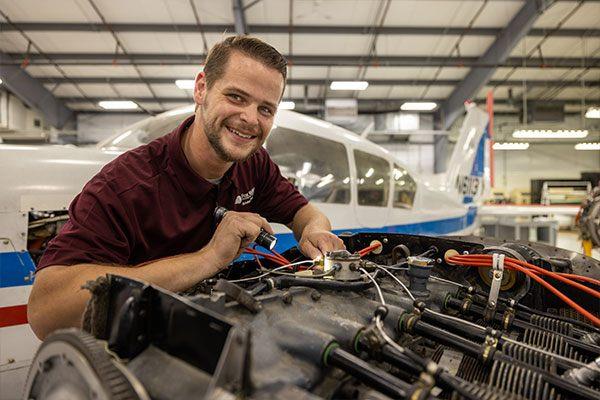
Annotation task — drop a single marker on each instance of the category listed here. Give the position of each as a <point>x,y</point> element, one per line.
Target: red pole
<point>490,110</point>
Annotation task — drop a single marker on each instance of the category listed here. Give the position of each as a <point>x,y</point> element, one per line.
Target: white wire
<point>437,278</point>
<point>377,318</point>
<point>375,283</point>
<point>271,271</point>
<point>388,339</point>
<point>398,281</point>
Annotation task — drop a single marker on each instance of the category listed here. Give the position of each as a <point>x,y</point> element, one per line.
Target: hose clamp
<point>497,274</point>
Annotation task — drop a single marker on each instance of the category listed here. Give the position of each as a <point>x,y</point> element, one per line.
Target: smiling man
<point>149,213</point>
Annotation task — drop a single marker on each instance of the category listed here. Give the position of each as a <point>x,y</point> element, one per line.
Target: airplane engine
<point>394,316</point>
<point>589,218</point>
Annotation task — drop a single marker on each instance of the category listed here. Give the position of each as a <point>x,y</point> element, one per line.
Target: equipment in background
<point>588,221</point>
<point>393,316</point>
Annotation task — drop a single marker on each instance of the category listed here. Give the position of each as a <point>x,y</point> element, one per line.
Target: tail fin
<point>468,172</point>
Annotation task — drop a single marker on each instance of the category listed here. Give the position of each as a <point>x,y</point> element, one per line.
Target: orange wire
<point>537,269</point>
<point>580,278</point>
<point>368,249</point>
<point>280,256</point>
<point>270,257</point>
<point>511,265</point>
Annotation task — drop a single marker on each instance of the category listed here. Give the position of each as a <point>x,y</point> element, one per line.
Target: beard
<point>212,130</point>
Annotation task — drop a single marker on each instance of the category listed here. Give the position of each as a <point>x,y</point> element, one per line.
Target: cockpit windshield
<point>147,130</point>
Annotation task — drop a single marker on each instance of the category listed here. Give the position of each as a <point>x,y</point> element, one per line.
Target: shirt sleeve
<point>278,200</point>
<point>95,233</point>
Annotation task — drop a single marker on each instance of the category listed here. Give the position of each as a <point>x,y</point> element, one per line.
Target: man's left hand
<point>316,243</point>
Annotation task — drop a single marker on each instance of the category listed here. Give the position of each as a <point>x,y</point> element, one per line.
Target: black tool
<point>264,238</point>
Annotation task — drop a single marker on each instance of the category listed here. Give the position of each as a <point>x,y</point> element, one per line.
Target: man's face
<point>237,112</point>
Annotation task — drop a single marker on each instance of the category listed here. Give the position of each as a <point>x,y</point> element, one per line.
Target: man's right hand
<point>234,233</point>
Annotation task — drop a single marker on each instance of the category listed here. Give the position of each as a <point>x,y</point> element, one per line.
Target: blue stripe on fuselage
<point>16,269</point>
<point>435,227</point>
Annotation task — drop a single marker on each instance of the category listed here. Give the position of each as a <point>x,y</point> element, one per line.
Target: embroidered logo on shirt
<point>245,198</point>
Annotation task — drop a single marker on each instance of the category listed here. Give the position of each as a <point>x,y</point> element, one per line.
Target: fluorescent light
<point>287,105</point>
<point>587,146</point>
<point>326,180</point>
<point>511,146</point>
<point>1,81</point>
<point>379,181</point>
<point>592,112</point>
<point>185,83</point>
<point>369,173</point>
<point>418,106</point>
<point>118,105</point>
<point>549,134</point>
<point>349,85</point>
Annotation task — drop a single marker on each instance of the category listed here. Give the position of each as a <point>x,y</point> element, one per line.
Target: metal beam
<point>33,93</point>
<point>383,103</point>
<point>496,54</point>
<point>284,29</point>
<point>308,60</point>
<point>320,82</point>
<point>239,17</point>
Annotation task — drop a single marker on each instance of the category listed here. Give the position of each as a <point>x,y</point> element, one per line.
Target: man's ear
<point>200,88</point>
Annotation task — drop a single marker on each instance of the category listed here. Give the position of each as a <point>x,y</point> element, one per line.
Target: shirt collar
<point>193,184</point>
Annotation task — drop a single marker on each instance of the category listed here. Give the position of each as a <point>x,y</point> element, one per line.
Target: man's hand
<point>316,243</point>
<point>234,233</point>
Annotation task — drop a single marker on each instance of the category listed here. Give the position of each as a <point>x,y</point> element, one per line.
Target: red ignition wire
<point>369,249</point>
<point>269,257</point>
<point>514,266</point>
<point>580,278</point>
<point>535,268</point>
<point>281,260</point>
<point>280,256</point>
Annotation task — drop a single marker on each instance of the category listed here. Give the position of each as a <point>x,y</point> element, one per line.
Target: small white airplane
<point>358,184</point>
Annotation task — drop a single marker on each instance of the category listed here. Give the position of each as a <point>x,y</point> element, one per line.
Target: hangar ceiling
<point>79,52</point>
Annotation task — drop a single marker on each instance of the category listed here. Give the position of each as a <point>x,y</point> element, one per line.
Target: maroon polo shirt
<point>148,203</point>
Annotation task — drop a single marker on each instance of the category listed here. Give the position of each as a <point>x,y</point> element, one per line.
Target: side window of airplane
<point>404,188</point>
<point>372,174</point>
<point>318,167</point>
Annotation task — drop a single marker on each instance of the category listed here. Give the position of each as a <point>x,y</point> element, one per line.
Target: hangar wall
<point>515,169</point>
<point>16,116</point>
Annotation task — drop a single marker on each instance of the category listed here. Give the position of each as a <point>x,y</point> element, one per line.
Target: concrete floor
<point>570,240</point>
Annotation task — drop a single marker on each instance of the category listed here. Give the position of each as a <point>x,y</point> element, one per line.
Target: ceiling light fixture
<point>287,105</point>
<point>511,146</point>
<point>118,105</point>
<point>418,106</point>
<point>349,85</point>
<point>549,134</point>
<point>187,84</point>
<point>593,112</point>
<point>587,146</point>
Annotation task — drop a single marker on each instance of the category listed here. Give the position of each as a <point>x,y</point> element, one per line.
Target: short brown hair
<point>218,56</point>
